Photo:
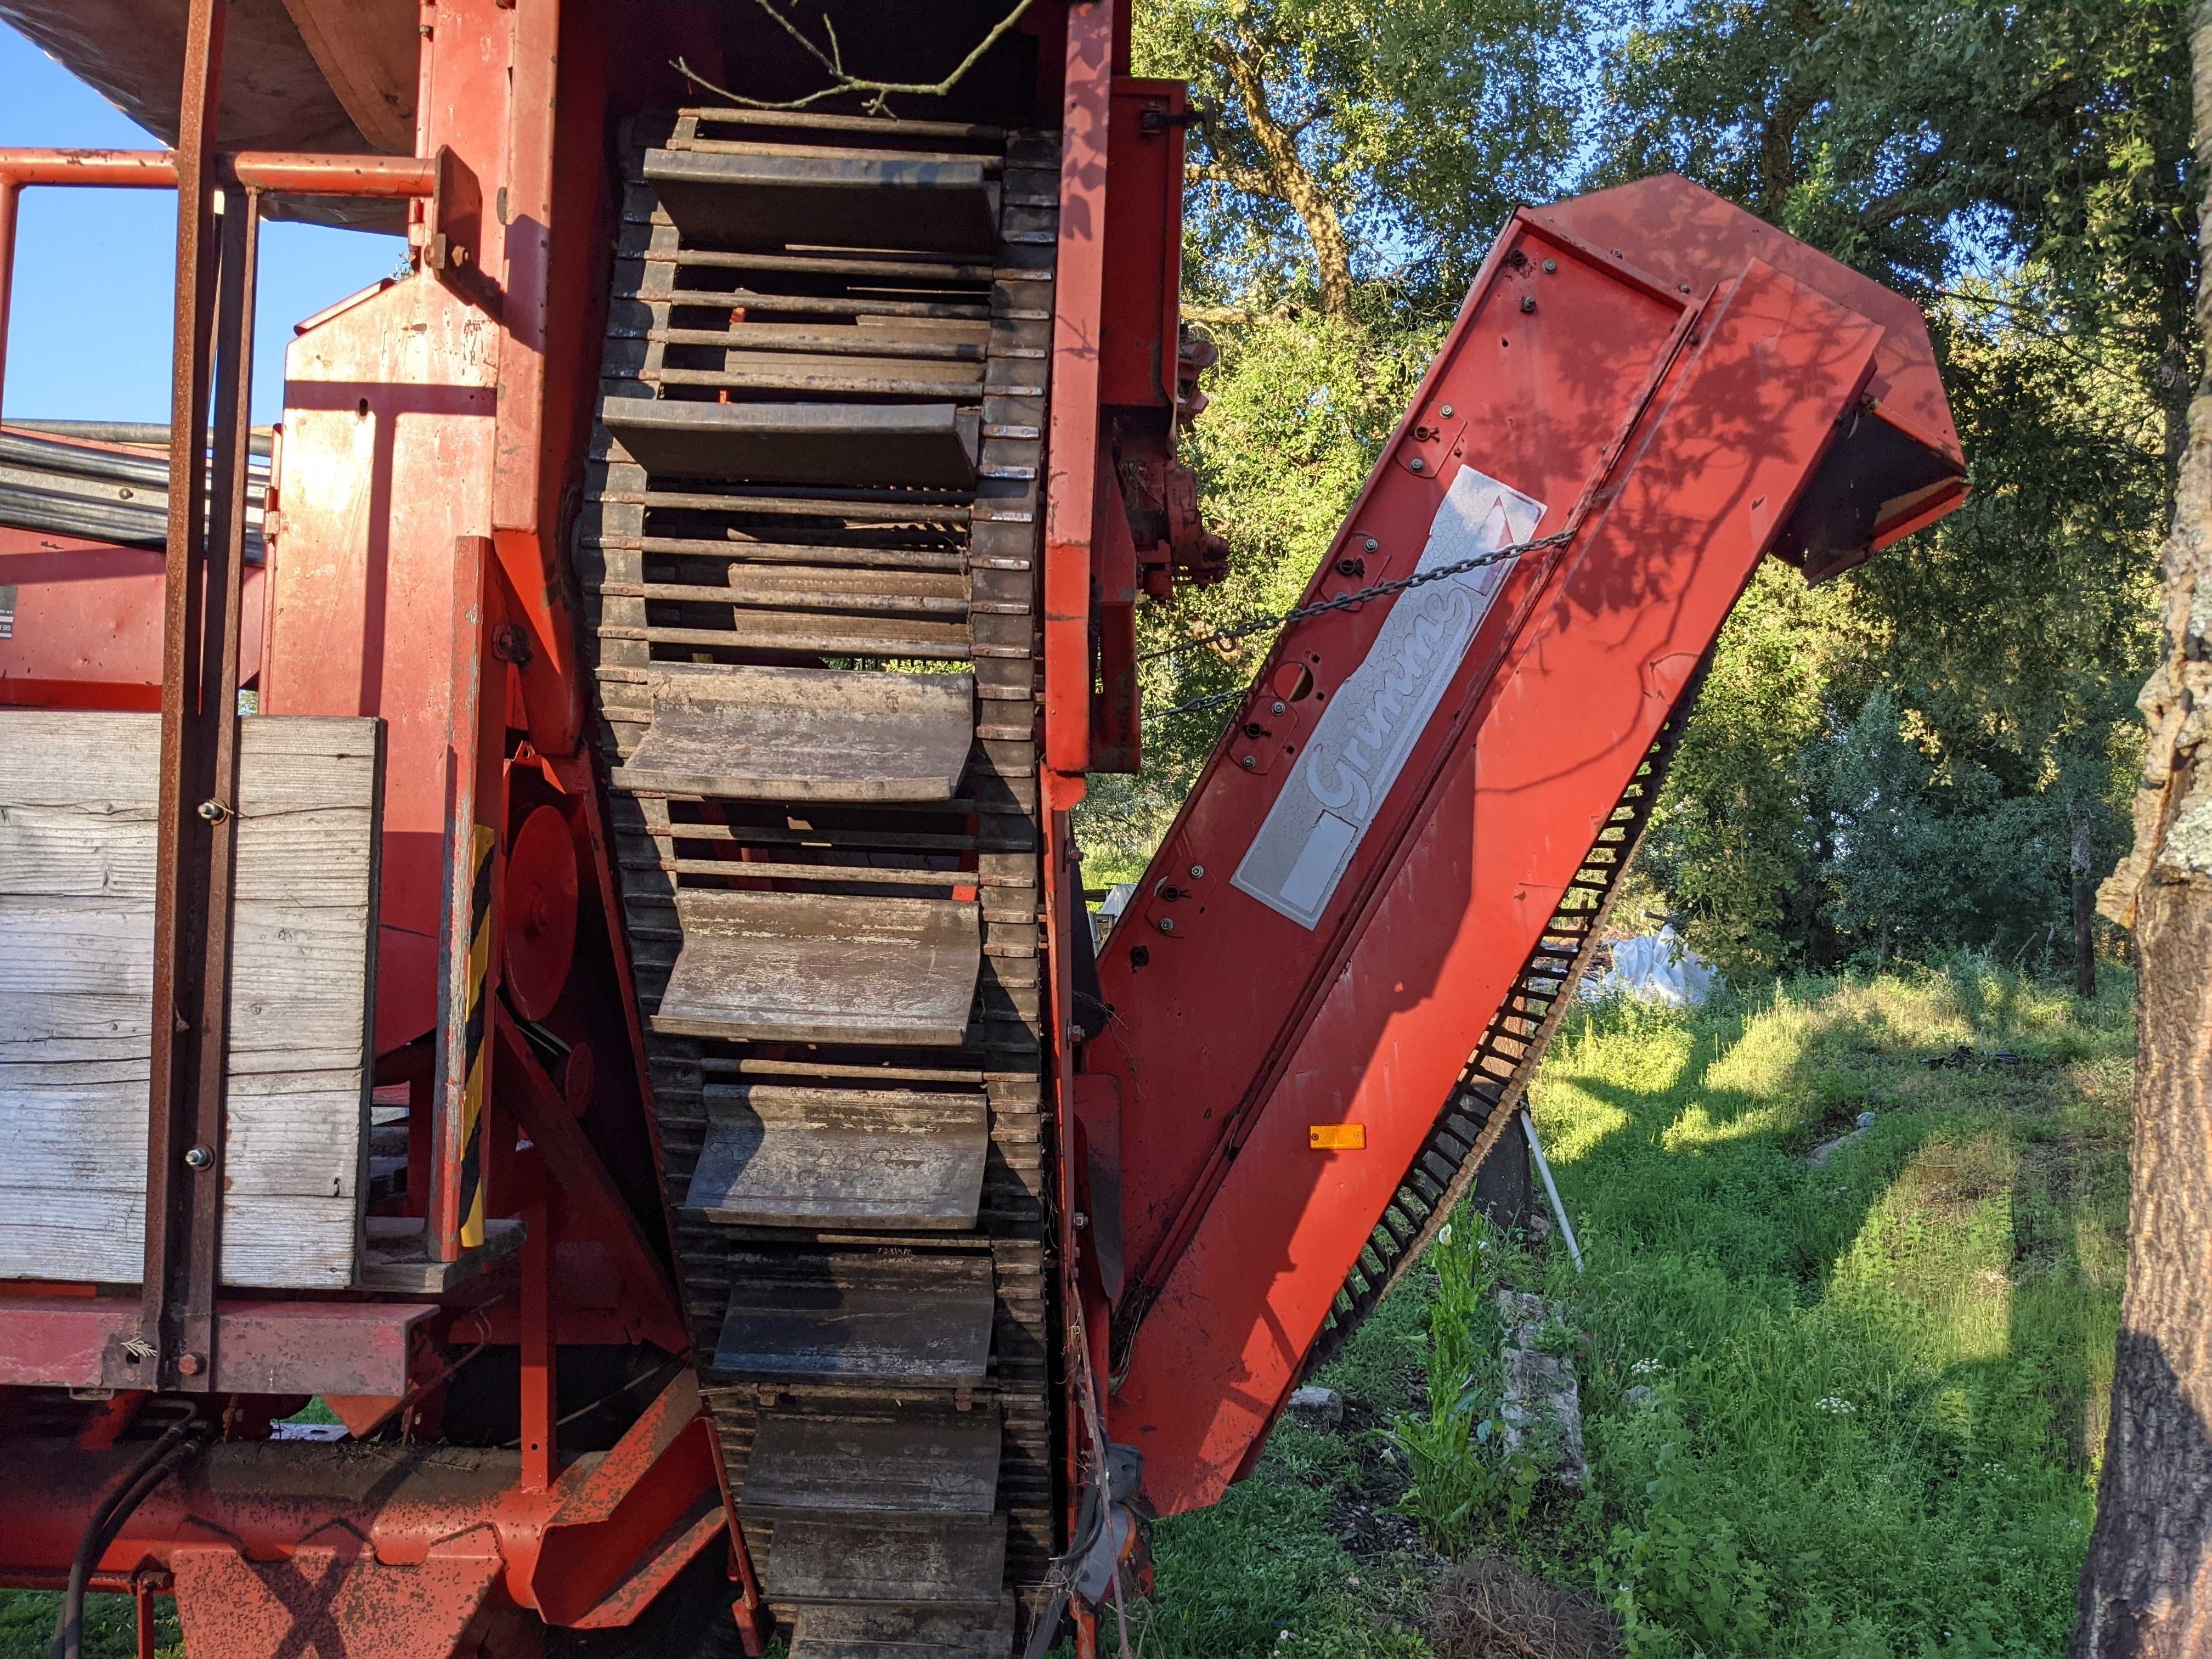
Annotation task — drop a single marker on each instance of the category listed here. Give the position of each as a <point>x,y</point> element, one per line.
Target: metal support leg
<point>174,1345</point>
<point>461,1074</point>
<point>12,195</point>
<point>539,1387</point>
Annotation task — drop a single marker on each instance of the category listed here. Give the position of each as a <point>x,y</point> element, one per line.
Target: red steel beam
<point>261,1347</point>
<point>1078,287</point>
<point>285,172</point>
<point>571,1160</point>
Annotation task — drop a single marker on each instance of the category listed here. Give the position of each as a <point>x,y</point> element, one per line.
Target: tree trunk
<point>2146,1588</point>
<point>2085,936</point>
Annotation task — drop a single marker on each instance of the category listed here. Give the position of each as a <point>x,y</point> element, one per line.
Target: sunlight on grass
<point>1872,1392</point>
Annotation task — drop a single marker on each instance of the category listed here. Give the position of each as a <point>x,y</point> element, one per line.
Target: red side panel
<point>81,623</point>
<point>1332,986</point>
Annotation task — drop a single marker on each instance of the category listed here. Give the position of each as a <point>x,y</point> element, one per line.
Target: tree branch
<point>1284,175</point>
<point>833,64</point>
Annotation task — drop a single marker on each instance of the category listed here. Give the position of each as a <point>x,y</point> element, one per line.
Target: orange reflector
<point>1337,1137</point>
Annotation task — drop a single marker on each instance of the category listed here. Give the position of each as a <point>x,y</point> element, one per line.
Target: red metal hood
<point>1900,466</point>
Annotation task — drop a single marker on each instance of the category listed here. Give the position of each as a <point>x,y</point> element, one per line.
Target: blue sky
<point>95,269</point>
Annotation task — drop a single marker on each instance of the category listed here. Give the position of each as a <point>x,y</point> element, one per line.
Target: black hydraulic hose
<point>160,1460</point>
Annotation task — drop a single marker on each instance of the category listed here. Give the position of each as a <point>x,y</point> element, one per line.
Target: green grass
<point>1881,1384</point>
<point>1267,1569</point>
<point>111,1625</point>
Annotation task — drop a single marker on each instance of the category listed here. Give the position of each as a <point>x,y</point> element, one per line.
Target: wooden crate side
<point>78,833</point>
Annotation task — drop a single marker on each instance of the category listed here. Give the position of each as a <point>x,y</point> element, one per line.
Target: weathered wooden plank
<point>814,967</point>
<point>78,846</point>
<point>856,1318</point>
<point>960,1562</point>
<point>822,1631</point>
<point>50,1232</point>
<point>946,1464</point>
<point>840,1157</point>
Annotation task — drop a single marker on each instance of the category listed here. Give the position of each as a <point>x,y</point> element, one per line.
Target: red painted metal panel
<point>284,1505</point>
<point>1681,234</point>
<point>332,1595</point>
<point>261,1347</point>
<point>87,632</point>
<point>1142,299</point>
<point>1072,457</point>
<point>1536,398</point>
<point>387,448</point>
<point>1241,1025</point>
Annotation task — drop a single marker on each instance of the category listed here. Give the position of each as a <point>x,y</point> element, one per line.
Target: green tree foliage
<point>1914,755</point>
<point>1361,151</point>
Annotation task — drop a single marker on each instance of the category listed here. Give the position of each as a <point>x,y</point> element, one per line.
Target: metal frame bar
<point>184,1131</point>
<point>1078,293</point>
<point>272,171</point>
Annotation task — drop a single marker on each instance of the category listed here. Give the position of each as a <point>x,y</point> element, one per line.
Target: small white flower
<point>1283,1636</point>
<point>1644,1368</point>
<point>1444,1237</point>
<point>1835,1405</point>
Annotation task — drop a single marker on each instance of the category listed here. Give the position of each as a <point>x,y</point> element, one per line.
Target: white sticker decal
<point>1361,741</point>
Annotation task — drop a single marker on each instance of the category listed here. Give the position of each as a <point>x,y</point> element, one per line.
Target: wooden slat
<point>802,1316</point>
<point>943,1465</point>
<point>938,1563</point>
<point>77,836</point>
<point>840,1157</point>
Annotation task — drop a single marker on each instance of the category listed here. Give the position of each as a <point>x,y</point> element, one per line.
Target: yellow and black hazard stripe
<point>472,1204</point>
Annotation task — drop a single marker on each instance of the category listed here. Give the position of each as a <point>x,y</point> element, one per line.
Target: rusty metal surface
<point>332,1595</point>
<point>11,197</point>
<point>261,1347</point>
<point>298,172</point>
<point>175,1347</point>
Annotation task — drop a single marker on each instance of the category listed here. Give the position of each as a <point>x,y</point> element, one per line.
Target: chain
<point>1196,703</point>
<point>1227,636</point>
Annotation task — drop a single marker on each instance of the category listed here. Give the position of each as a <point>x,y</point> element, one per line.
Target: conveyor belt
<point>809,543</point>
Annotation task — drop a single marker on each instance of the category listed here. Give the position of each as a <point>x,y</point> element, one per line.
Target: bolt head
<point>1167,924</point>
<point>1418,465</point>
<point>1278,707</point>
<point>1247,762</point>
<point>1372,546</point>
<point>1550,267</point>
<point>189,1365</point>
<point>1527,302</point>
<point>1445,412</point>
<point>214,811</point>
<point>1198,873</point>
<point>200,1158</point>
